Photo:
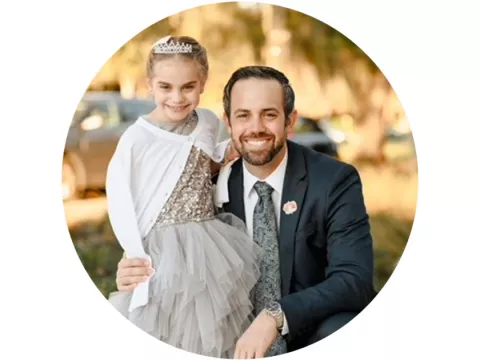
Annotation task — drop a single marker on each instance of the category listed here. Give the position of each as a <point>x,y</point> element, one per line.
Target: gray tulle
<point>200,294</point>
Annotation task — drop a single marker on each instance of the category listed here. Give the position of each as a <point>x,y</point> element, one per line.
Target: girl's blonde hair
<point>196,52</point>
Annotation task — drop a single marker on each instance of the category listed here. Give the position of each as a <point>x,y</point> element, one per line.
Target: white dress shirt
<point>250,197</point>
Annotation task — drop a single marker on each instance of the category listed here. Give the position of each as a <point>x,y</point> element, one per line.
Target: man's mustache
<point>257,135</point>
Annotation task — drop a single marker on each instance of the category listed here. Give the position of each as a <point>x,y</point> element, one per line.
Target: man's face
<point>257,123</point>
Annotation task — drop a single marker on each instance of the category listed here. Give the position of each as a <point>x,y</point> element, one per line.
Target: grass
<point>391,189</point>
<point>390,236</point>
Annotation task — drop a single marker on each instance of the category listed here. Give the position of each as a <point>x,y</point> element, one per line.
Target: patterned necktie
<point>265,234</point>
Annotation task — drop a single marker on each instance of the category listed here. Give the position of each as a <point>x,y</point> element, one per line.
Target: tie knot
<point>263,189</point>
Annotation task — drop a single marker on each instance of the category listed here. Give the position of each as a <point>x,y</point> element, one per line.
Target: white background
<point>50,53</point>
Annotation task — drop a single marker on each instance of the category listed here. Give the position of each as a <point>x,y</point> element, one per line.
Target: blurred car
<point>308,132</point>
<point>99,121</point>
<point>337,135</point>
<point>394,135</point>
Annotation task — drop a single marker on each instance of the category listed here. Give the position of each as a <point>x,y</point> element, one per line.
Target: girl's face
<point>176,85</point>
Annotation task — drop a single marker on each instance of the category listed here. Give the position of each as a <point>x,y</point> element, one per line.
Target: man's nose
<point>257,124</point>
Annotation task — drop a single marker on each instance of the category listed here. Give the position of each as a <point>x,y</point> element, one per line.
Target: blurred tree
<point>129,61</point>
<point>334,55</point>
<point>279,35</point>
<point>240,33</point>
<point>230,25</point>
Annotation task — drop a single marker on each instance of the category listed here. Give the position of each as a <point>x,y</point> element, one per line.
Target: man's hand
<point>258,338</point>
<point>131,272</point>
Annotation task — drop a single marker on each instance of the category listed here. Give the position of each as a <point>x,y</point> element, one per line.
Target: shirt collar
<point>275,179</point>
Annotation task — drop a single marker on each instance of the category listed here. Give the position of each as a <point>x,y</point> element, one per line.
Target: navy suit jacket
<point>326,252</point>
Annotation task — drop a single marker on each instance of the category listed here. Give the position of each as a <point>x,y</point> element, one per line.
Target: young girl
<point>161,207</point>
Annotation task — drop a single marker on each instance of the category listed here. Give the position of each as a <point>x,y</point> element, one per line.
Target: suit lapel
<point>294,188</point>
<point>235,191</point>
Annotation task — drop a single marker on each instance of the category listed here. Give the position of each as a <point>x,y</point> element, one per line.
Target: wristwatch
<point>274,309</point>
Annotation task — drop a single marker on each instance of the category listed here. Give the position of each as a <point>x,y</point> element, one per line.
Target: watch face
<point>273,306</point>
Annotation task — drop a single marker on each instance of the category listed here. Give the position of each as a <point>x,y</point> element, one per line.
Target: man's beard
<point>261,157</point>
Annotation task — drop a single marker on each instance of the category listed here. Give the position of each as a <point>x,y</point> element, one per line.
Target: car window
<point>131,109</point>
<point>81,112</point>
<point>104,108</point>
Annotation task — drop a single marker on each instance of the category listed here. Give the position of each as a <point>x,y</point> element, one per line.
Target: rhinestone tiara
<point>172,48</point>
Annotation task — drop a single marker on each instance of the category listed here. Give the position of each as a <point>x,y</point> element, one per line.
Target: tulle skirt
<point>200,294</point>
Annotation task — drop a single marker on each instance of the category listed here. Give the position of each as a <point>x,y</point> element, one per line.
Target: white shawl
<point>143,172</point>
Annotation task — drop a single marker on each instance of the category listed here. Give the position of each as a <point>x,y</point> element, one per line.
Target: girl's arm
<point>121,208</point>
<point>121,212</point>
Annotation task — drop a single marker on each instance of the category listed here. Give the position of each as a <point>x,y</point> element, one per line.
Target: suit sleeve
<point>348,284</point>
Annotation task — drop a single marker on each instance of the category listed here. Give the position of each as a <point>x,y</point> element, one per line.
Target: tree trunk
<point>276,50</point>
<point>370,138</point>
<point>371,91</point>
<point>127,86</point>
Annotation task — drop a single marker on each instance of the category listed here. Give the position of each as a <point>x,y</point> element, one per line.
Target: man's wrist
<point>274,310</point>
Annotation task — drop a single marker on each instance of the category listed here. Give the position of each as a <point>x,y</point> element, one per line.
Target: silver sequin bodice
<point>192,198</point>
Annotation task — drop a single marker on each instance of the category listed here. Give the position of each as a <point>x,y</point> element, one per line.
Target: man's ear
<point>292,119</point>
<point>227,123</point>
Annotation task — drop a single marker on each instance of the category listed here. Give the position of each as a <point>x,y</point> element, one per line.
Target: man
<point>304,208</point>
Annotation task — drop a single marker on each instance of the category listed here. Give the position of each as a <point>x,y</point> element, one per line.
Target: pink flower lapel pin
<point>290,207</point>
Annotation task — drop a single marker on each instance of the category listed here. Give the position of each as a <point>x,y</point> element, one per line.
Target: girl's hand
<point>230,153</point>
<point>131,272</point>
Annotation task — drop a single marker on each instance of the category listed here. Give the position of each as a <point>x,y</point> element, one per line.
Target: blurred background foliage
<point>332,76</point>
